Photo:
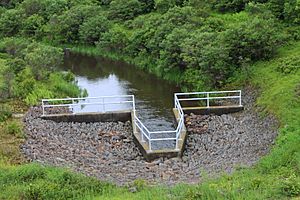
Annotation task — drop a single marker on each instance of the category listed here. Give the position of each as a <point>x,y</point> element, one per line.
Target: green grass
<point>33,181</point>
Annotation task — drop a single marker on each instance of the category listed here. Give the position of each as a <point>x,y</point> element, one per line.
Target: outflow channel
<point>104,77</point>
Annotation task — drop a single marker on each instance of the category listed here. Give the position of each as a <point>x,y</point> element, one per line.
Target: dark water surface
<point>104,77</point>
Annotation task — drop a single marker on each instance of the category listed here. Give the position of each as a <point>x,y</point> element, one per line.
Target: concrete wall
<point>122,116</point>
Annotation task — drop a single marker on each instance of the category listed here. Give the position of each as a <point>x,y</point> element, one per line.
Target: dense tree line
<point>190,38</point>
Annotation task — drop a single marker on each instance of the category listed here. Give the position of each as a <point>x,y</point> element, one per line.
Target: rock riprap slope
<point>107,150</point>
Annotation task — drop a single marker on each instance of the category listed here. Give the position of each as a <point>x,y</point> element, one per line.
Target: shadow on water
<point>104,77</point>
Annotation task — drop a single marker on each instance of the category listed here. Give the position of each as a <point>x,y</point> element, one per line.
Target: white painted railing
<point>103,101</point>
<point>207,96</point>
<point>146,135</point>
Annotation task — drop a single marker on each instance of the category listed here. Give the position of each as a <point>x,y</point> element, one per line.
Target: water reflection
<point>104,77</point>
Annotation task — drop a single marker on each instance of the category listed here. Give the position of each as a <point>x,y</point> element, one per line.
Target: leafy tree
<point>43,59</point>
<point>207,53</point>
<point>44,8</point>
<point>277,7</point>
<point>163,6</point>
<point>14,46</point>
<point>292,11</point>
<point>230,5</point>
<point>105,2</point>
<point>147,5</point>
<point>65,28</point>
<point>2,10</point>
<point>9,3</point>
<point>195,79</point>
<point>170,54</point>
<point>10,22</point>
<point>252,40</point>
<point>124,10</point>
<point>116,39</point>
<point>143,38</point>
<point>16,65</point>
<point>54,7</point>
<point>32,25</point>
<point>93,28</point>
<point>33,7</point>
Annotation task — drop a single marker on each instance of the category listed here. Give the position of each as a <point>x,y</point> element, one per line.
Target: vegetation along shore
<point>200,46</point>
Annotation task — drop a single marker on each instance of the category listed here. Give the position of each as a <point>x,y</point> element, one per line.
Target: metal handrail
<point>44,101</point>
<point>210,92</point>
<point>145,133</point>
<point>209,97</point>
<point>84,98</point>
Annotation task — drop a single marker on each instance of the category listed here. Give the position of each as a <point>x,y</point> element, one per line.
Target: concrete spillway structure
<point>152,144</point>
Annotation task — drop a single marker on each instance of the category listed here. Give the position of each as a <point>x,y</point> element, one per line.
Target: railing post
<point>207,99</point>
<point>240,97</point>
<point>43,107</point>
<point>134,114</point>
<point>143,139</point>
<point>150,145</point>
<point>103,106</point>
<point>73,106</point>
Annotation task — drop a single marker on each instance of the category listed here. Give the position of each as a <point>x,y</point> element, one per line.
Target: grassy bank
<point>276,176</point>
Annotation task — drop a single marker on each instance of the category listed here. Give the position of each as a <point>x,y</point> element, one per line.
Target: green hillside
<point>200,45</point>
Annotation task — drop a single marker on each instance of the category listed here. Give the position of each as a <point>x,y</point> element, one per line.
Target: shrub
<point>6,80</point>
<point>209,56</point>
<point>116,39</point>
<point>44,8</point>
<point>14,46</point>
<point>124,10</point>
<point>16,65</point>
<point>65,28</point>
<point>277,7</point>
<point>14,128</point>
<point>292,11</point>
<point>32,26</point>
<point>289,65</point>
<point>230,5</point>
<point>93,29</point>
<point>170,57</point>
<point>39,92</point>
<point>10,22</point>
<point>254,39</point>
<point>163,6</point>
<point>195,79</point>
<point>24,83</point>
<point>43,59</point>
<point>62,86</point>
<point>148,5</point>
<point>5,113</point>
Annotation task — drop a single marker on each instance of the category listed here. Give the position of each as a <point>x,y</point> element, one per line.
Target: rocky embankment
<point>107,150</point>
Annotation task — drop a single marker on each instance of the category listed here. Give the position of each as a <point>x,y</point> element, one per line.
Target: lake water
<point>104,77</point>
